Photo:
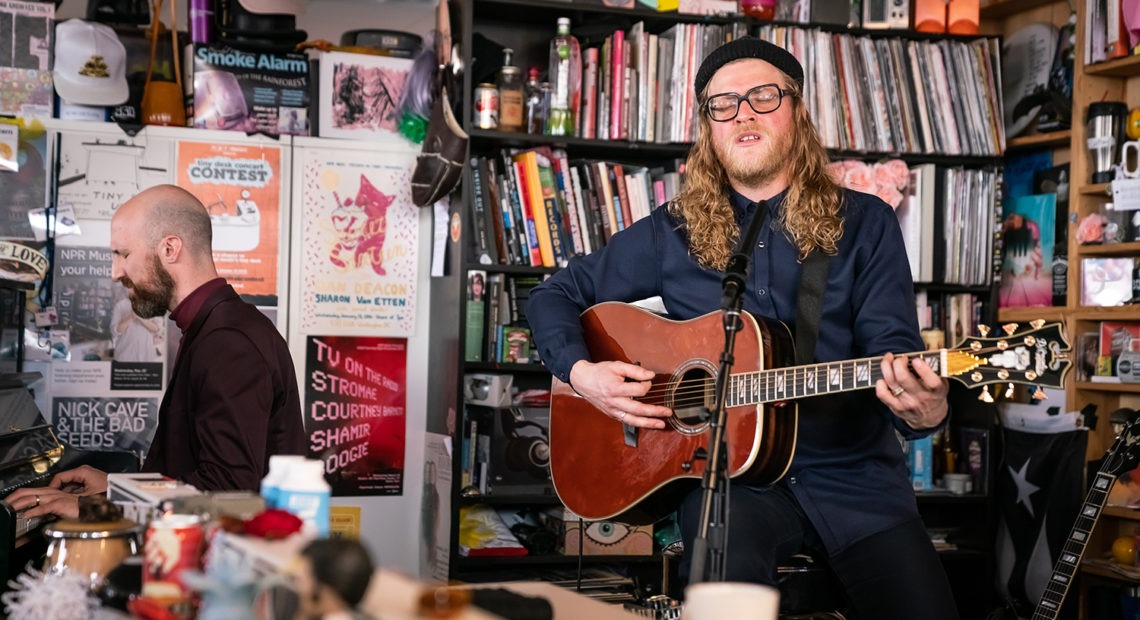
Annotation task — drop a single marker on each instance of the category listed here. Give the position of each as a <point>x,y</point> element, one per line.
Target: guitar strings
<point>694,392</point>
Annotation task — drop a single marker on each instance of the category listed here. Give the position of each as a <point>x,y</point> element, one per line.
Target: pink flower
<point>899,172</point>
<point>1091,228</point>
<point>836,170</point>
<point>890,195</point>
<point>860,178</point>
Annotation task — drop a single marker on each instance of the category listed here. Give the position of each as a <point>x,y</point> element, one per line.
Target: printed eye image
<point>607,532</point>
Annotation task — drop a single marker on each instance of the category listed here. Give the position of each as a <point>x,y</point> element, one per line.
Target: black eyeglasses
<point>763,99</point>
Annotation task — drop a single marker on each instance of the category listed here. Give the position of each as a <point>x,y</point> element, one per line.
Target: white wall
<point>389,525</point>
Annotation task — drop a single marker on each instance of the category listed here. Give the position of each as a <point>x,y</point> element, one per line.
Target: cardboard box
<point>600,537</point>
<point>250,91</point>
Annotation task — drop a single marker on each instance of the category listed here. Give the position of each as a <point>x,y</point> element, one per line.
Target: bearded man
<point>846,495</point>
<point>232,401</point>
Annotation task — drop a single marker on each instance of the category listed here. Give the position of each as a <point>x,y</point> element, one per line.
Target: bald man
<point>232,401</point>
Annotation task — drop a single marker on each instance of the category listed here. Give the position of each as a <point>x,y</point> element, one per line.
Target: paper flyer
<point>240,184</point>
<point>355,412</point>
<point>359,244</point>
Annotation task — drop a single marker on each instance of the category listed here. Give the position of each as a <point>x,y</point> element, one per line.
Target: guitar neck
<point>776,384</point>
<point>1074,549</point>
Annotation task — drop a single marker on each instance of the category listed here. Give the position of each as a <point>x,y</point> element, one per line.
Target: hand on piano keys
<point>61,496</point>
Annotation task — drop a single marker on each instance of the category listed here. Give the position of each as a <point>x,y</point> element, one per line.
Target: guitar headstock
<point>1125,451</point>
<point>1036,354</point>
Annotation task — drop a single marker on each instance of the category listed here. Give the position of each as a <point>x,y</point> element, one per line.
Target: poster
<point>106,377</point>
<point>240,184</point>
<point>25,188</point>
<point>355,394</point>
<point>87,415</point>
<point>101,169</point>
<point>358,245</point>
<point>26,41</point>
<point>1027,251</point>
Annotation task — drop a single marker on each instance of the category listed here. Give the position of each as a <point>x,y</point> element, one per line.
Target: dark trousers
<point>892,575</point>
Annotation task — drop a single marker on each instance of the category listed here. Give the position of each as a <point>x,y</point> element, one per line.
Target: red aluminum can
<point>173,544</point>
<point>486,104</point>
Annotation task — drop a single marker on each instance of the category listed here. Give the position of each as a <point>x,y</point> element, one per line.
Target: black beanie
<point>749,47</point>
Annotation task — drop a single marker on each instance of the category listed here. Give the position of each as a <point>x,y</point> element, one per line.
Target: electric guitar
<point>1121,457</point>
<point>602,469</point>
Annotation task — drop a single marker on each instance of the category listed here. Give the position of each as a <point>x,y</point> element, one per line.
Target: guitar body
<point>602,469</point>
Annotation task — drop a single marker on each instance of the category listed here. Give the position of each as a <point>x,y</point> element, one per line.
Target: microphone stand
<point>709,544</point>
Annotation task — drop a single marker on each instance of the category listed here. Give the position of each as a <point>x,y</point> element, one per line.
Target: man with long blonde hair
<point>846,495</point>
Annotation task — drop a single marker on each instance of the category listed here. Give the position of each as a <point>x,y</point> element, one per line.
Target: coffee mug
<point>958,484</point>
<point>730,601</point>
<point>1130,152</point>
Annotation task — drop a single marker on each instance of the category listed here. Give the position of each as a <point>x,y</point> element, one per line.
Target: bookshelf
<point>528,33</point>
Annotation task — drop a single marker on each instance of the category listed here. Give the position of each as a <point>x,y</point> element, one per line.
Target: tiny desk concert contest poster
<point>355,412</point>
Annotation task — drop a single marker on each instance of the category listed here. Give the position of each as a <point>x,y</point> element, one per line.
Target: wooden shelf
<point>1120,512</point>
<point>1022,315</point>
<point>1107,313</point>
<point>1131,248</point>
<point>1096,189</point>
<point>1101,571</point>
<point>1120,67</point>
<point>1005,8</point>
<point>1055,139</point>
<point>1091,386</point>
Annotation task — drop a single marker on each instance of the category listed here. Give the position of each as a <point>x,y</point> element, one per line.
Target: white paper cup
<point>730,601</point>
<point>958,484</point>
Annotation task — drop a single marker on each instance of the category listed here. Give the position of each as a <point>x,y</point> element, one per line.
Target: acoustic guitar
<point>602,469</point>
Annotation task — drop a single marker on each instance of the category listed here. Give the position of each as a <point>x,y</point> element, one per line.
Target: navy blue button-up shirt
<point>849,472</point>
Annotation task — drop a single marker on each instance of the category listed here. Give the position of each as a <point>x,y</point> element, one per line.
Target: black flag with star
<point>1039,493</point>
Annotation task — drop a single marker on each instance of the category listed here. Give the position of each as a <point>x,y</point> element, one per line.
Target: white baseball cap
<point>274,7</point>
<point>90,64</point>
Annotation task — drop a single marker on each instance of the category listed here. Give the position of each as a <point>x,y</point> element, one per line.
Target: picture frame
<point>359,95</point>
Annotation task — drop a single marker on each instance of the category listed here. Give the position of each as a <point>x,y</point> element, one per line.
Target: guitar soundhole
<point>692,394</point>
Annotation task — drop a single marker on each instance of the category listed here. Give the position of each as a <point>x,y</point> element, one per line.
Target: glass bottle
<point>535,106</point>
<point>565,80</point>
<point>511,96</point>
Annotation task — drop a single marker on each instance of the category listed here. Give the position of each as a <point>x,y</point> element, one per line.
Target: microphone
<point>737,268</point>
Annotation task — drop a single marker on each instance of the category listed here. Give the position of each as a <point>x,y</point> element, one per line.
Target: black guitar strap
<point>809,305</point>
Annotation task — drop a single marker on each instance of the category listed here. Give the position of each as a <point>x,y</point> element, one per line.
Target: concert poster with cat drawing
<point>359,243</point>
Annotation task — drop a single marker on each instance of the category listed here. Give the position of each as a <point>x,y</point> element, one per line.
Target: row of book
<point>497,328</point>
<point>950,220</point>
<point>533,207</point>
<point>894,95</point>
<point>1107,30</point>
<point>956,315</point>
<point>638,86</point>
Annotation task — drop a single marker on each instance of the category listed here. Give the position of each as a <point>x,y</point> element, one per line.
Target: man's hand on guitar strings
<point>615,389</point>
<point>913,391</point>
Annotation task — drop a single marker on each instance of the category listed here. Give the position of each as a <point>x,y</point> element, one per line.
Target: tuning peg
<point>1037,323</point>
<point>1009,328</point>
<point>984,330</point>
<point>1009,391</point>
<point>985,395</point>
<point>1039,394</point>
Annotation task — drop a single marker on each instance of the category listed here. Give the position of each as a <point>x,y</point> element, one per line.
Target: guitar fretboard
<point>1074,549</point>
<point>776,384</point>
